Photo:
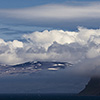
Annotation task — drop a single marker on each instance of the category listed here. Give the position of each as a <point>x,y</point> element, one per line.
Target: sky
<point>46,26</point>
<point>51,30</point>
<point>59,14</point>
<point>30,3</point>
<point>30,29</point>
<point>26,16</point>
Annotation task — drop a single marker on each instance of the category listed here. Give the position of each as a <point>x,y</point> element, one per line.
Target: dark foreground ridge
<point>92,88</point>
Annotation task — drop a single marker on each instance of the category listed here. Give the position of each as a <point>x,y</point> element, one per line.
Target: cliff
<point>92,88</point>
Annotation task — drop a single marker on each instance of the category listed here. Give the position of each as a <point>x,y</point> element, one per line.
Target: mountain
<point>33,66</point>
<point>43,64</point>
<point>92,88</point>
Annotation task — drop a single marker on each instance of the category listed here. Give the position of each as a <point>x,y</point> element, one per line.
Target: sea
<point>46,97</point>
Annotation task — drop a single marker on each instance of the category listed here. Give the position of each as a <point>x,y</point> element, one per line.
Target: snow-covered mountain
<point>33,66</point>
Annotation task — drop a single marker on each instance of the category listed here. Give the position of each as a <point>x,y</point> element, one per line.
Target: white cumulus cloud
<point>54,45</point>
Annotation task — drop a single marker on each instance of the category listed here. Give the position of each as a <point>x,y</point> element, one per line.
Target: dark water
<point>46,97</point>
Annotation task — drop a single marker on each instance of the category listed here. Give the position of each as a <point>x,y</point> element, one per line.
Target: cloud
<point>54,11</point>
<point>46,38</point>
<point>11,32</point>
<point>54,45</point>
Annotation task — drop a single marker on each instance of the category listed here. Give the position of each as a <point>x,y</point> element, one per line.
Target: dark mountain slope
<point>92,88</point>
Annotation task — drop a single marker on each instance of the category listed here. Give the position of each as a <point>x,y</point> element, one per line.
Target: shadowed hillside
<point>92,88</point>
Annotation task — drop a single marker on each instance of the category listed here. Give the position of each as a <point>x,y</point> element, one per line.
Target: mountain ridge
<point>92,88</point>
<point>33,66</point>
